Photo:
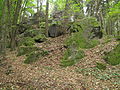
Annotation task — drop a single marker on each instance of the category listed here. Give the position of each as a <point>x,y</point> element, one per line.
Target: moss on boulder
<point>27,41</point>
<point>32,33</point>
<point>72,57</point>
<point>113,57</point>
<point>23,50</point>
<point>40,38</point>
<point>34,56</point>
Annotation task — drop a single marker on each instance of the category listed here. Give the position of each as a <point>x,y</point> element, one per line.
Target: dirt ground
<point>47,74</point>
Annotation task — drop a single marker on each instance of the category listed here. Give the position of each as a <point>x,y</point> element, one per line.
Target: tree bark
<point>15,20</point>
<point>47,10</point>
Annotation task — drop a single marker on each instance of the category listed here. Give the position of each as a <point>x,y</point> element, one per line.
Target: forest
<point>59,44</point>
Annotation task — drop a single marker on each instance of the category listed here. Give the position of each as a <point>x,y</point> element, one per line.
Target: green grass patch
<point>113,57</point>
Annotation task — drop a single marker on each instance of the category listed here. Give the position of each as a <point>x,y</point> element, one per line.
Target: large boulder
<point>96,32</point>
<point>55,30</point>
<point>40,38</point>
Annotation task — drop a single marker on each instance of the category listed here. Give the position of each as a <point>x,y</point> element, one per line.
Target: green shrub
<point>117,38</point>
<point>71,57</point>
<point>32,33</point>
<point>80,41</point>
<point>40,38</point>
<point>88,22</point>
<point>113,57</point>
<point>27,50</point>
<point>27,41</point>
<point>101,66</point>
<point>34,56</point>
<point>42,25</point>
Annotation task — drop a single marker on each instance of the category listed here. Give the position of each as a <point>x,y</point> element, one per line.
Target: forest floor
<point>47,74</point>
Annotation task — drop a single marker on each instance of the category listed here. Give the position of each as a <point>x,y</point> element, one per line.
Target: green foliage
<point>107,39</point>
<point>27,41</point>
<point>27,50</point>
<point>32,33</point>
<point>80,41</point>
<point>100,74</point>
<point>75,42</point>
<point>86,25</point>
<point>115,10</point>
<point>42,25</point>
<point>113,57</point>
<point>117,38</point>
<point>89,22</point>
<point>34,56</point>
<point>40,38</point>
<point>60,4</point>
<point>101,66</point>
<point>1,8</point>
<point>30,3</point>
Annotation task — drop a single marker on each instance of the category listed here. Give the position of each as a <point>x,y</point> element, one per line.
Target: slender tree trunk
<point>22,13</point>
<point>3,31</point>
<point>15,20</point>
<point>40,11</point>
<point>47,10</point>
<point>66,15</point>
<point>38,5</point>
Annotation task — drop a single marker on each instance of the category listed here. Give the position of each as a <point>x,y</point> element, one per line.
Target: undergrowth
<point>27,41</point>
<point>74,53</point>
<point>101,66</point>
<point>34,56</point>
<point>23,50</point>
<point>40,38</point>
<point>80,41</point>
<point>72,57</point>
<point>113,57</point>
<point>76,43</point>
<point>100,74</point>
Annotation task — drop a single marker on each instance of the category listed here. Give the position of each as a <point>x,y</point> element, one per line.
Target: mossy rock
<point>27,41</point>
<point>72,57</point>
<point>101,66</point>
<point>80,41</point>
<point>34,56</point>
<point>23,50</point>
<point>32,33</point>
<point>113,57</point>
<point>40,38</point>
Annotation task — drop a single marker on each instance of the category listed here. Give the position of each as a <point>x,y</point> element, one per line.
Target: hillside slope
<point>47,74</point>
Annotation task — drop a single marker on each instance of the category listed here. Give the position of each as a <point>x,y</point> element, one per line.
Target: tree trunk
<point>38,5</point>
<point>15,20</point>
<point>47,10</point>
<point>66,15</point>
<point>3,30</point>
